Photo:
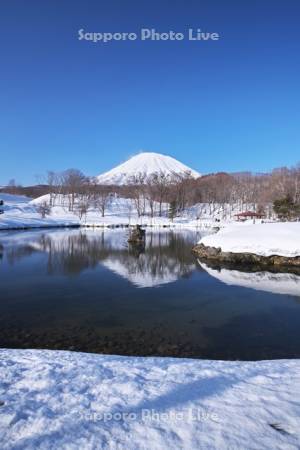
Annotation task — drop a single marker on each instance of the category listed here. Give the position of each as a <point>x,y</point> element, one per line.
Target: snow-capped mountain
<point>145,163</point>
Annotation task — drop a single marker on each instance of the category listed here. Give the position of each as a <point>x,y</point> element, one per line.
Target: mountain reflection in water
<point>165,258</point>
<point>88,290</point>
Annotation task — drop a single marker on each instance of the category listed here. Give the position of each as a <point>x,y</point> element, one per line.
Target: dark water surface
<point>86,290</point>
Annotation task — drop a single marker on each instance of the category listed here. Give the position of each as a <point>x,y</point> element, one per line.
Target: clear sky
<point>226,105</point>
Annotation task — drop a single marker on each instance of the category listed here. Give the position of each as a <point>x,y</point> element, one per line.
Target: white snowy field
<point>67,400</point>
<point>22,212</point>
<point>265,239</point>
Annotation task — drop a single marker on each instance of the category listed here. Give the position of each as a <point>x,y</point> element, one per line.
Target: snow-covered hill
<point>145,163</point>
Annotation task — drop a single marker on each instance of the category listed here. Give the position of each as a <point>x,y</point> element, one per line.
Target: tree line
<point>159,194</point>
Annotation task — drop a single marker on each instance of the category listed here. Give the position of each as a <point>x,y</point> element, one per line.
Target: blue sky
<point>227,105</point>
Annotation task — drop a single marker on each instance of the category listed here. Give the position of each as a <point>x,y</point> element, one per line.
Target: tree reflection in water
<point>165,257</point>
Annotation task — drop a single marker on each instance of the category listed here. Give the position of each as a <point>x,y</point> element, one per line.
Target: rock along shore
<point>216,255</point>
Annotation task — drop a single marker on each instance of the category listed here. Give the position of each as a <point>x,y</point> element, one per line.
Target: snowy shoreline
<point>267,244</point>
<point>43,225</point>
<point>22,213</point>
<point>62,399</point>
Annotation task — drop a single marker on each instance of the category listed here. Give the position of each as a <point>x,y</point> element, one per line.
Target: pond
<point>87,290</point>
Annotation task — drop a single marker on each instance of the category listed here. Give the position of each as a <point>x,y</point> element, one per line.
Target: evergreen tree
<point>172,209</point>
<point>286,208</point>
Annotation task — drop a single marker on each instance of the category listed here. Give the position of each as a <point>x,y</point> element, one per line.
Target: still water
<point>87,290</point>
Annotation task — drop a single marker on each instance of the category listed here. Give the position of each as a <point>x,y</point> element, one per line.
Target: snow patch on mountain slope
<point>145,163</point>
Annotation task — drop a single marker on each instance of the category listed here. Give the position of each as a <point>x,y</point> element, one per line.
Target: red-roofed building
<point>249,215</point>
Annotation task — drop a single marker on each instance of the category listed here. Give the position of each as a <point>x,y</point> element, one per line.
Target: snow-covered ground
<point>22,212</point>
<point>265,239</point>
<point>54,399</point>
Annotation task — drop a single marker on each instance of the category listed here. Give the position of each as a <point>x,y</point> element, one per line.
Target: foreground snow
<point>66,400</point>
<point>265,239</point>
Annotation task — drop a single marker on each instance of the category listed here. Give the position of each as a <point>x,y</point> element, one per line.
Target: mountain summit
<point>146,163</point>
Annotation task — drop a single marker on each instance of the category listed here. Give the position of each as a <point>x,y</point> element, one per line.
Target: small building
<point>249,215</point>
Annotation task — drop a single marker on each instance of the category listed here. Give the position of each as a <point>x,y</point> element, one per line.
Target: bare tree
<point>81,207</point>
<point>150,193</point>
<point>44,209</point>
<point>181,186</point>
<point>102,197</point>
<point>12,187</point>
<point>54,181</point>
<point>73,181</point>
<point>138,192</point>
<point>161,182</point>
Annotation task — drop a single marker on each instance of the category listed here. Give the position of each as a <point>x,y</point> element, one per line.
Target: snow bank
<point>21,212</point>
<point>54,399</point>
<point>264,239</point>
<point>15,222</point>
<point>11,199</point>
